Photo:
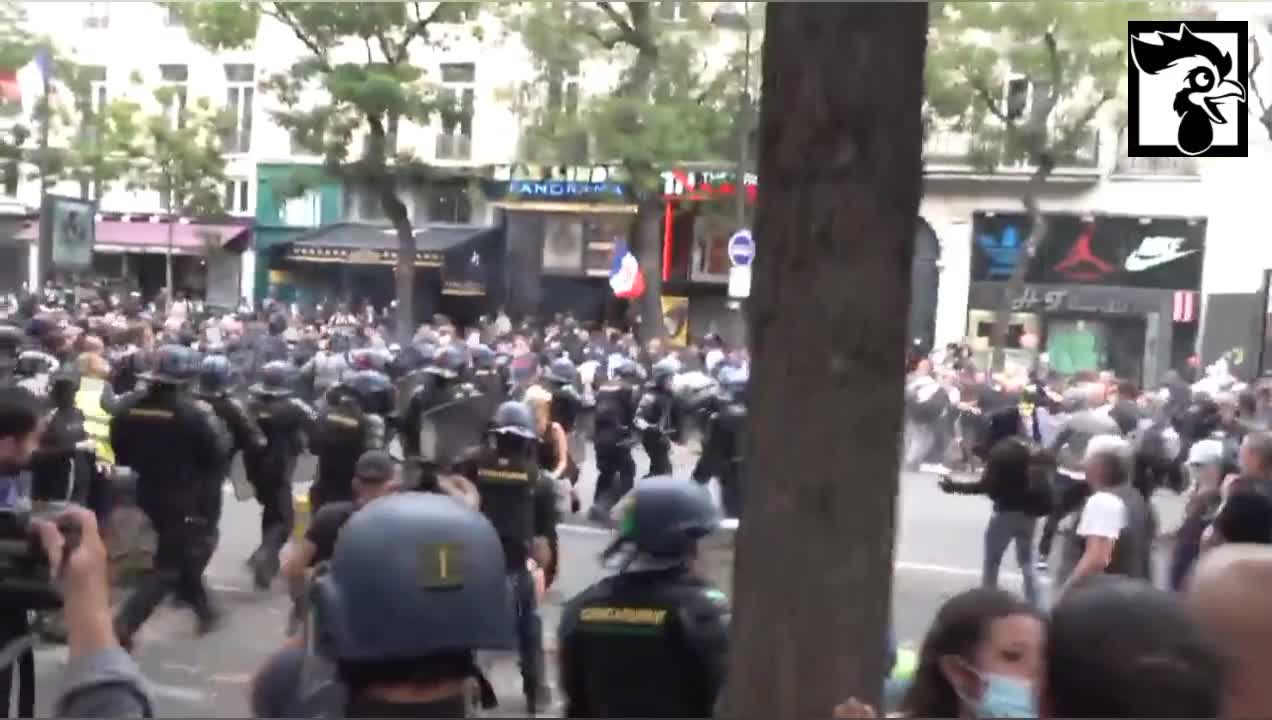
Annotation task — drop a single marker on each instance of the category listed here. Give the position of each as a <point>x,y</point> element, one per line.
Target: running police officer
<point>654,417</point>
<point>284,419</point>
<point>655,615</point>
<point>215,380</point>
<point>444,387</point>
<point>415,587</point>
<point>562,380</point>
<point>722,448</point>
<point>612,437</point>
<point>522,507</point>
<point>487,378</point>
<point>350,424</point>
<point>177,446</point>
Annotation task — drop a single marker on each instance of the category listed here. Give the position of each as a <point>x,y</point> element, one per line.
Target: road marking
<point>176,692</point>
<point>909,566</point>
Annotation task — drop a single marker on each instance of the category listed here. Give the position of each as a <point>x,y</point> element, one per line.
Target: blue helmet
<point>514,418</point>
<point>449,361</point>
<point>373,389</point>
<point>215,374</point>
<point>562,370</point>
<point>276,379</point>
<point>483,358</point>
<point>412,575</point>
<point>174,365</point>
<point>665,369</point>
<point>628,370</point>
<point>664,520</point>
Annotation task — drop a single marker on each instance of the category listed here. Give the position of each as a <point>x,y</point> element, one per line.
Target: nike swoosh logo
<point>1138,263</point>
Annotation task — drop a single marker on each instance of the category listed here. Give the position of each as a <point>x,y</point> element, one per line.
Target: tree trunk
<point>1016,281</point>
<point>404,272</point>
<point>647,239</point>
<point>841,163</point>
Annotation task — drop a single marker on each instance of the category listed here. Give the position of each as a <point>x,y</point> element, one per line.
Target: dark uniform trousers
<point>529,629</point>
<point>658,448</point>
<point>270,476</point>
<point>615,473</point>
<point>184,549</point>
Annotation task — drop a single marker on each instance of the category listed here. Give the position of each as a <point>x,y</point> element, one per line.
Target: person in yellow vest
<point>94,370</point>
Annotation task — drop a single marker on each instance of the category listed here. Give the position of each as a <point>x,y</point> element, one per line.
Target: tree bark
<point>647,239</point>
<point>841,163</point>
<point>1016,281</point>
<point>404,271</point>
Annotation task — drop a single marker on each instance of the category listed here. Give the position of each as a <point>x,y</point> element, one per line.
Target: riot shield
<point>452,427</point>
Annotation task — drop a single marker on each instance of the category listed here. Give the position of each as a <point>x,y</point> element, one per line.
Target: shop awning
<point>376,244</point>
<point>149,236</point>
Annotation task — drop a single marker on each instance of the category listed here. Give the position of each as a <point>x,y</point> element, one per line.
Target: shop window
<point>711,248</point>
<point>303,211</point>
<point>562,243</point>
<point>449,203</point>
<point>601,235</point>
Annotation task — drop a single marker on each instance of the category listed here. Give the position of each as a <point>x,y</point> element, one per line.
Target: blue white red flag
<point>626,277</point>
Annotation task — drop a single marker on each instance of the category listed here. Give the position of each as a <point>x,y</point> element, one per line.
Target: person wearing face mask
<point>981,658</point>
<point>1205,471</point>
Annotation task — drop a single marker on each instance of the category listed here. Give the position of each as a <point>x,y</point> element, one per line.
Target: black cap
<point>375,466</point>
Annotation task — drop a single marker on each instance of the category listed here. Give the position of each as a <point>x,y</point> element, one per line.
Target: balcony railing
<point>454,147</point>
<point>950,152</point>
<point>1166,167</point>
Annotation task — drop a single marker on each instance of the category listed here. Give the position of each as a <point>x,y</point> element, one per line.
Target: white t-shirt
<point>1104,515</point>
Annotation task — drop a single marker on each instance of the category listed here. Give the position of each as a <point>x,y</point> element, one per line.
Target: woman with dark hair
<point>982,657</point>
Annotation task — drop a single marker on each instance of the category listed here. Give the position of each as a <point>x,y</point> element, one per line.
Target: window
<point>462,12</point>
<point>175,77</point>
<point>362,203</point>
<point>95,76</point>
<point>239,93</point>
<point>563,89</point>
<point>236,196</point>
<point>98,15</point>
<point>672,11</point>
<point>458,92</point>
<point>171,17</point>
<point>449,203</point>
<point>1016,97</point>
<point>303,211</point>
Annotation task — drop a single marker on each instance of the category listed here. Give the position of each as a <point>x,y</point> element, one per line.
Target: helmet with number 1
<point>413,575</point>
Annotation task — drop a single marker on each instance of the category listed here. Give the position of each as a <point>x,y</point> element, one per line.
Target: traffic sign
<point>741,248</point>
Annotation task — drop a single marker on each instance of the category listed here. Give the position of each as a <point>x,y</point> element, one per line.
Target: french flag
<point>625,277</point>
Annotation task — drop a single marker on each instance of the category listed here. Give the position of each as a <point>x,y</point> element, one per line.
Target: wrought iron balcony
<point>948,152</point>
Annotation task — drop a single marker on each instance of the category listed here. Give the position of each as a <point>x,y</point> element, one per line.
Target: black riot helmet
<point>664,519</point>
<point>628,370</point>
<point>276,380</point>
<point>664,370</point>
<point>277,324</point>
<point>483,358</point>
<point>412,576</point>
<point>33,363</point>
<point>64,383</point>
<point>215,375</point>
<point>514,418</point>
<point>373,389</point>
<point>449,362</point>
<point>173,365</point>
<point>562,371</point>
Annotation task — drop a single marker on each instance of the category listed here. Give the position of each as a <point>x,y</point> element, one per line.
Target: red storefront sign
<point>698,185</point>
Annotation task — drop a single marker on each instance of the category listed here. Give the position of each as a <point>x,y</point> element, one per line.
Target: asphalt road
<point>938,555</point>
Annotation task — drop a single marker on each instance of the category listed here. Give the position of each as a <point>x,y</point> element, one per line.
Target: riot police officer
<point>522,507</point>
<point>655,614</point>
<point>654,417</point>
<point>722,447</point>
<point>444,390</point>
<point>414,588</point>
<point>177,446</point>
<point>11,341</point>
<point>487,379</point>
<point>51,465</point>
<point>350,424</point>
<point>612,437</point>
<point>562,380</point>
<point>216,376</point>
<point>284,419</point>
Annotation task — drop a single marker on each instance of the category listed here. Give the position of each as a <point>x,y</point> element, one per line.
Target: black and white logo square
<point>1188,83</point>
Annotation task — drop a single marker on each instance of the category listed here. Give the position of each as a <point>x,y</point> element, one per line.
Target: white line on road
<point>906,565</point>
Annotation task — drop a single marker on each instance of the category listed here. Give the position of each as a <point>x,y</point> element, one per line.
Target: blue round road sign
<point>741,248</point>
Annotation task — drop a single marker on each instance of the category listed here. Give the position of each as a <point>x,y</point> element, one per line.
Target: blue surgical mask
<point>1005,696</point>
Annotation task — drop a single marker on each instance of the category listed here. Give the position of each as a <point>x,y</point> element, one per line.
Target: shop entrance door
<point>1091,343</point>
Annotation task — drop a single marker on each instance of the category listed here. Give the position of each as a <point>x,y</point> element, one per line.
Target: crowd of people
<point>452,438</point>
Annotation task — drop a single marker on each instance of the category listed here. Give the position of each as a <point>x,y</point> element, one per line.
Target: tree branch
<point>416,30</point>
<point>367,41</point>
<point>285,17</point>
<point>386,47</point>
<point>1053,59</point>
<point>609,43</point>
<point>978,84</point>
<point>1069,139</point>
<point>624,27</point>
<point>1256,61</point>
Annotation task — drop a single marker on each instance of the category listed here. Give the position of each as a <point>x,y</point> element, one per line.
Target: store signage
<point>360,256</point>
<point>1036,300</point>
<point>1109,250</point>
<point>707,185</point>
<point>1081,264</point>
<point>562,173</point>
<point>1002,250</point>
<point>564,189</point>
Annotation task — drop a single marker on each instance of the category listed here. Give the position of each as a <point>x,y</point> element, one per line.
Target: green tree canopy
<point>363,99</point>
<point>670,105</point>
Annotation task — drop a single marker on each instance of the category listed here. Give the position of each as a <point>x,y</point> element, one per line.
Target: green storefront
<point>290,199</point>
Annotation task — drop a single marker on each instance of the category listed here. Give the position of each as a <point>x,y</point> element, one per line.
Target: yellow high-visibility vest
<point>96,419</point>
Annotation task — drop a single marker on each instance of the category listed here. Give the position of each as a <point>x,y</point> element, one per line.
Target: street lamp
<point>741,21</point>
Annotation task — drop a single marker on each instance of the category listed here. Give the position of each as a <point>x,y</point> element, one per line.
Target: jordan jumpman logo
<point>1081,263</point>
